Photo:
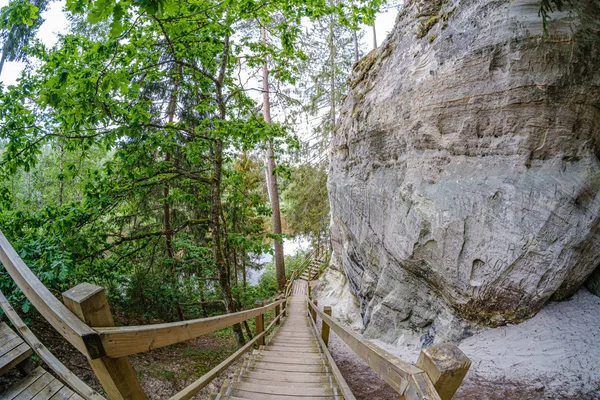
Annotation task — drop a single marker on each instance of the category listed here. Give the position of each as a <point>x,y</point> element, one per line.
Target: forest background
<point>138,151</point>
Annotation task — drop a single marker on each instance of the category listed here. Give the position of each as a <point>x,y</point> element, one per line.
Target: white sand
<point>557,350</point>
<point>555,354</point>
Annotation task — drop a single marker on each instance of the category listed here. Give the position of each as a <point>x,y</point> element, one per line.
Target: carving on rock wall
<point>464,180</point>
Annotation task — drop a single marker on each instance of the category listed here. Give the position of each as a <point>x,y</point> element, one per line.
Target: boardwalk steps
<point>292,364</point>
<point>312,271</point>
<point>37,384</point>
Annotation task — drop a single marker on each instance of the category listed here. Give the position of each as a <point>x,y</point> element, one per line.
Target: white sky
<point>56,23</point>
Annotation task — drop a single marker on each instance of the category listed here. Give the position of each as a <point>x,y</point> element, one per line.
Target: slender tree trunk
<point>374,37</point>
<point>202,303</point>
<point>332,74</point>
<point>244,271</point>
<point>272,178</point>
<point>217,243</point>
<point>2,60</point>
<point>166,205</point>
<point>61,182</point>
<point>216,206</point>
<point>355,37</point>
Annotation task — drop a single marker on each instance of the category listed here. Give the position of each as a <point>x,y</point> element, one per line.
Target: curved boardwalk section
<point>291,365</point>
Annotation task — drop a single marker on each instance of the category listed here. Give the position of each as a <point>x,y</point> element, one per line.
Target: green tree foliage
<point>19,22</point>
<point>306,205</point>
<point>128,152</point>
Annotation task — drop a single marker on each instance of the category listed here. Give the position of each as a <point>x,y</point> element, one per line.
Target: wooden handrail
<point>126,340</point>
<point>108,346</point>
<point>403,377</point>
<point>84,338</point>
<point>46,356</point>
<point>343,385</point>
<point>205,379</point>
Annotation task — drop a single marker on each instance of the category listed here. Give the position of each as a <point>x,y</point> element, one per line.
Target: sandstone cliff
<point>464,181</point>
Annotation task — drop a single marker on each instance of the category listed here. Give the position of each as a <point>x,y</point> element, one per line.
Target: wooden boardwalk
<point>37,384</point>
<point>292,364</point>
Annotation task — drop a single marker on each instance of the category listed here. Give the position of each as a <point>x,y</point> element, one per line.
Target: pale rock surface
<point>593,282</point>
<point>553,355</point>
<point>464,168</point>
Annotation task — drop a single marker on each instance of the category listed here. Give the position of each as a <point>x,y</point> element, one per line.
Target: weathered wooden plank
<point>127,340</point>
<point>288,377</point>
<point>14,357</point>
<point>284,390</point>
<point>446,365</point>
<point>199,384</point>
<point>11,344</point>
<point>23,384</point>
<point>397,373</point>
<point>240,394</point>
<point>84,338</point>
<point>37,386</point>
<point>289,360</point>
<point>64,393</point>
<point>287,367</point>
<point>50,390</point>
<point>343,385</point>
<point>6,334</point>
<point>288,354</point>
<point>311,383</point>
<point>312,349</point>
<point>116,375</point>
<point>47,357</point>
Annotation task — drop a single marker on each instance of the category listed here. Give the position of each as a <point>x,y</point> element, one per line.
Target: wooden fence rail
<point>437,375</point>
<point>86,322</point>
<point>45,355</point>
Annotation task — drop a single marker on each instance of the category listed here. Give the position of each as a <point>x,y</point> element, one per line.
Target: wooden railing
<point>85,321</point>
<point>437,375</point>
<point>45,355</point>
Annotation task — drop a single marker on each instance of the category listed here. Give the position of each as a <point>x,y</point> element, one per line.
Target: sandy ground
<point>554,355</point>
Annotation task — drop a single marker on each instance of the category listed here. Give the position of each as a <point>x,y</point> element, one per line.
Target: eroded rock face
<point>593,282</point>
<point>464,181</point>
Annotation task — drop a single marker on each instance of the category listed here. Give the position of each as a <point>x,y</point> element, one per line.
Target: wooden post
<point>325,327</point>
<point>308,288</point>
<point>285,307</point>
<point>313,312</point>
<point>277,311</point>
<point>446,365</point>
<point>260,323</point>
<point>116,375</point>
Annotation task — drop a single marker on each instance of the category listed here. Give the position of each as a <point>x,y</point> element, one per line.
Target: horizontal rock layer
<point>464,168</point>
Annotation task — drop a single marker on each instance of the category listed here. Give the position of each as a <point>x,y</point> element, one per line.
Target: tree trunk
<point>374,37</point>
<point>216,206</point>
<point>217,243</point>
<point>61,182</point>
<point>332,74</point>
<point>166,205</point>
<point>272,178</point>
<point>355,37</point>
<point>2,60</point>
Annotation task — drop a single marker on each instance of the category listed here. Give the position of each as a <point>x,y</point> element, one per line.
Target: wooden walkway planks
<point>290,366</point>
<point>40,385</point>
<point>37,385</point>
<point>13,350</point>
